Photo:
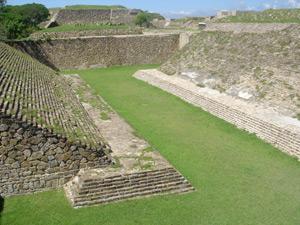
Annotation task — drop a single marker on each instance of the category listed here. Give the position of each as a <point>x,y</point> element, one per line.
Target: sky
<point>176,8</point>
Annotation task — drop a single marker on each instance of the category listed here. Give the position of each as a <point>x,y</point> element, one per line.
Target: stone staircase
<point>90,188</point>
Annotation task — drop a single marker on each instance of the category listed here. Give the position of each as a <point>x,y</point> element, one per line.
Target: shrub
<point>143,19</point>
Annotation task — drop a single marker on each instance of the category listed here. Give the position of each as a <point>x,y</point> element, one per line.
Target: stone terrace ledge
<point>280,131</point>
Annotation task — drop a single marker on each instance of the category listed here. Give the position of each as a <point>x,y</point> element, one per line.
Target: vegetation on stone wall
<point>20,21</point>
<point>84,27</point>
<point>143,19</point>
<point>79,7</point>
<point>267,16</point>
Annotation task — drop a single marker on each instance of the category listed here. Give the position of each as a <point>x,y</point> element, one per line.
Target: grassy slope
<point>239,179</point>
<point>75,27</point>
<point>267,16</point>
<point>77,7</point>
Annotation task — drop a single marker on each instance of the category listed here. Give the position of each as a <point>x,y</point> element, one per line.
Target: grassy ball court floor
<point>239,179</point>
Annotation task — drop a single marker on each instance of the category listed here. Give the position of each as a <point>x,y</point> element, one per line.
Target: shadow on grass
<point>1,205</point>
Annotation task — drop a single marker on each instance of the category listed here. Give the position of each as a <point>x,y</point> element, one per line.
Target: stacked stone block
<point>88,33</point>
<point>100,16</point>
<point>87,52</point>
<point>44,129</point>
<point>91,190</point>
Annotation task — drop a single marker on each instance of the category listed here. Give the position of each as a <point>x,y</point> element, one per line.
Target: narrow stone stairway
<point>92,188</point>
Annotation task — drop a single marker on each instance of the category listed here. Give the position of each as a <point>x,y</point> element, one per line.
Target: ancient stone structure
<point>100,187</point>
<point>87,33</point>
<point>276,129</point>
<point>247,27</point>
<point>139,170</point>
<point>48,140</point>
<point>88,16</point>
<point>264,66</point>
<point>88,52</point>
<point>46,136</point>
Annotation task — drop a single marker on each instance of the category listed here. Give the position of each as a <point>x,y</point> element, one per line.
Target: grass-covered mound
<point>79,7</point>
<point>239,178</point>
<point>267,16</point>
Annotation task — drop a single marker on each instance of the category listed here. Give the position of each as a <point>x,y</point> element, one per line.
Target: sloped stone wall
<point>283,136</point>
<point>101,51</point>
<point>85,16</point>
<point>34,159</point>
<point>71,34</point>
<point>247,27</point>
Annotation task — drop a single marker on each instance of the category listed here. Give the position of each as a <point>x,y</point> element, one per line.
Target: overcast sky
<point>176,7</point>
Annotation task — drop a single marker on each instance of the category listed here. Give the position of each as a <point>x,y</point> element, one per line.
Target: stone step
<point>152,192</point>
<point>128,185</point>
<point>133,189</point>
<point>98,190</point>
<point>117,181</point>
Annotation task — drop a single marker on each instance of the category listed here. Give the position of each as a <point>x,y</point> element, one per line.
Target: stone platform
<point>138,170</point>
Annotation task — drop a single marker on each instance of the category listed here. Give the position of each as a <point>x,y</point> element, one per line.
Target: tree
<point>20,21</point>
<point>143,19</point>
<point>14,27</point>
<point>32,14</point>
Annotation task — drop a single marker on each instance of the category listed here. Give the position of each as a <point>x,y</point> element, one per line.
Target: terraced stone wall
<point>34,159</point>
<point>247,27</point>
<point>286,138</point>
<point>102,51</point>
<point>46,136</point>
<point>86,16</point>
<point>71,34</point>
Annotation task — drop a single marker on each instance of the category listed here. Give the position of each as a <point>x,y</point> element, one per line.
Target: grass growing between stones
<point>83,27</point>
<point>239,178</point>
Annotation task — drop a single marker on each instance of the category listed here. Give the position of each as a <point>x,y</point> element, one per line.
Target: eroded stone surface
<point>267,123</point>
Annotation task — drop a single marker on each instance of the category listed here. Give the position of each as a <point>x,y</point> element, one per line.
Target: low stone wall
<point>101,51</point>
<point>87,33</point>
<point>87,16</point>
<point>247,27</point>
<point>34,159</point>
<point>270,127</point>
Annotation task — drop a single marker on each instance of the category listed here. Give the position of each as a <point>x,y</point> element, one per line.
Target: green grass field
<point>267,16</point>
<point>83,27</point>
<point>240,180</point>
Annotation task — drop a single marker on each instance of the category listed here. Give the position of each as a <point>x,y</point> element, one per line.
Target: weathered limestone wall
<point>272,127</point>
<point>70,34</point>
<point>247,27</point>
<point>33,159</point>
<point>85,16</point>
<point>101,51</point>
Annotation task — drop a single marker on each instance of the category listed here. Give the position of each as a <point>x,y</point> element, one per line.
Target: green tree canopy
<point>143,19</point>
<point>19,21</point>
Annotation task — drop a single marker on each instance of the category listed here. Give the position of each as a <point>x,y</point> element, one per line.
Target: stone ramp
<point>280,131</point>
<point>139,171</point>
<point>92,187</point>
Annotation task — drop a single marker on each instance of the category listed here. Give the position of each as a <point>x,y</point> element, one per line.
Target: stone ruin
<point>46,136</point>
<point>88,16</point>
<point>49,140</point>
